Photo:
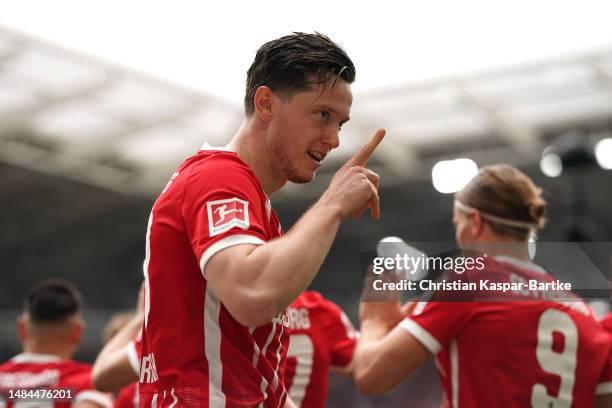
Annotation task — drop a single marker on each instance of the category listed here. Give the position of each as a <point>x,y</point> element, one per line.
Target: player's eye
<point>324,115</point>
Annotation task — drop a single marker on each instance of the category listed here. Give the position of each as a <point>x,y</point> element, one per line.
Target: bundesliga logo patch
<point>225,214</point>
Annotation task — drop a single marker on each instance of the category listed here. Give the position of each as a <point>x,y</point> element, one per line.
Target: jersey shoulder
<point>217,164</point>
<point>217,173</point>
<point>317,304</point>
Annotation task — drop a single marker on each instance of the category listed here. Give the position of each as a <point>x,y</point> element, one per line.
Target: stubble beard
<point>287,167</point>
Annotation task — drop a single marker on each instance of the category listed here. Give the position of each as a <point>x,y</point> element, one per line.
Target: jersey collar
<point>206,146</point>
<point>35,358</point>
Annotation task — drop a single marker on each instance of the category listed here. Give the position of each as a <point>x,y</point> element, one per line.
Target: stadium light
<point>551,164</point>
<point>449,176</point>
<point>603,153</point>
<point>570,152</point>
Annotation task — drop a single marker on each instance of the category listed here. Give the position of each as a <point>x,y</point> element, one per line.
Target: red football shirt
<point>193,351</point>
<point>321,337</point>
<point>127,397</point>
<point>606,323</point>
<point>518,353</point>
<point>29,371</point>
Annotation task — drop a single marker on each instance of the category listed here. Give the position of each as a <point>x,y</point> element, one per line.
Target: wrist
<point>374,328</point>
<point>328,210</point>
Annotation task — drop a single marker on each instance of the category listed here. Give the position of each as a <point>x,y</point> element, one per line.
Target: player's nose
<point>331,138</point>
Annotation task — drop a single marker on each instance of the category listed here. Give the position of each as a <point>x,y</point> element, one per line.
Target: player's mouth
<point>316,156</point>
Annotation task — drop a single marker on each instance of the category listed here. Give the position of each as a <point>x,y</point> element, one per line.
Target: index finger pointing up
<point>361,157</point>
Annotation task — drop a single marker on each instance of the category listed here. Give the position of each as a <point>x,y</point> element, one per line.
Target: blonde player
<point>524,350</point>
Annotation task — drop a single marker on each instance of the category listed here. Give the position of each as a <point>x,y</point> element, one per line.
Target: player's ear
<point>76,330</point>
<point>22,326</point>
<point>477,223</point>
<point>264,101</point>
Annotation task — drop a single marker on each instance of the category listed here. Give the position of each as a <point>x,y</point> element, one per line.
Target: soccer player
<point>116,368</point>
<point>50,329</point>
<point>322,338</point>
<point>117,364</point>
<point>523,351</point>
<point>219,272</point>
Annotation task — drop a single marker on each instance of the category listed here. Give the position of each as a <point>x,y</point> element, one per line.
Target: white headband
<point>499,220</point>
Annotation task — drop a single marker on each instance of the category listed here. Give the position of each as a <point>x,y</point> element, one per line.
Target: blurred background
<point>99,103</point>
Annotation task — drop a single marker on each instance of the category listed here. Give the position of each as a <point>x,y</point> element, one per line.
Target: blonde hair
<point>506,192</point>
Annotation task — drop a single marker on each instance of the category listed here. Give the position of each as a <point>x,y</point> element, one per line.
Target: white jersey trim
<point>604,388</point>
<point>94,396</point>
<point>145,269</point>
<point>35,358</point>
<point>132,355</point>
<point>212,348</point>
<point>232,240</point>
<point>422,335</point>
<point>207,146</point>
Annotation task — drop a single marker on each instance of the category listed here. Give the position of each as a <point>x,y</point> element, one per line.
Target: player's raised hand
<point>363,155</point>
<point>388,313</point>
<point>355,188</point>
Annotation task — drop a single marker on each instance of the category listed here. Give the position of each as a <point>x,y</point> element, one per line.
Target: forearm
<point>111,369</point>
<point>277,272</point>
<point>365,360</point>
<point>385,356</point>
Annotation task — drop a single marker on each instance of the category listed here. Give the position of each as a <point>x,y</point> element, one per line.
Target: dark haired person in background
<point>50,330</point>
<point>219,272</point>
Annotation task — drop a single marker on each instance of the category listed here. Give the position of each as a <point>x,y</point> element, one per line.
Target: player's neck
<point>501,246</point>
<point>248,143</point>
<point>34,346</point>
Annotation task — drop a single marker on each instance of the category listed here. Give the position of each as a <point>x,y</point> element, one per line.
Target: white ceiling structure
<point>86,119</point>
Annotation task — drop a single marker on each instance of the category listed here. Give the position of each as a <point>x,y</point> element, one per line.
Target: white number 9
<point>562,364</point>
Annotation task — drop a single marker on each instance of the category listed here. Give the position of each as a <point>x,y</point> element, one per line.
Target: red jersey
<point>30,371</point>
<point>127,397</point>
<point>321,337</point>
<point>523,352</point>
<point>606,323</point>
<point>194,353</point>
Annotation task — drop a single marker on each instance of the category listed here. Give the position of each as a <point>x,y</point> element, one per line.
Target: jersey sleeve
<point>222,207</point>
<point>131,350</point>
<point>341,335</point>
<point>436,323</point>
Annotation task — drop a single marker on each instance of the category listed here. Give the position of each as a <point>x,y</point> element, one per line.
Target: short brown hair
<point>294,63</point>
<point>52,300</point>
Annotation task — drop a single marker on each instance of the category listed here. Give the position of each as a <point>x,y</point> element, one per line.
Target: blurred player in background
<point>126,396</point>
<point>115,324</point>
<point>525,352</point>
<point>322,338</point>
<point>219,271</point>
<point>117,366</point>
<point>50,330</point>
